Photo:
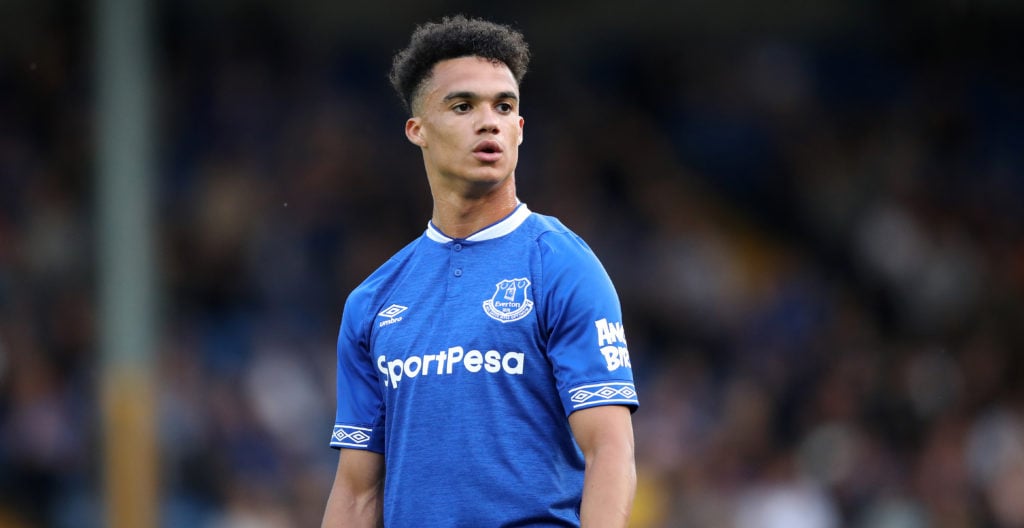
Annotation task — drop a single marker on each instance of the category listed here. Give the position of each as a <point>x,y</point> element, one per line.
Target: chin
<point>485,183</point>
<point>494,174</point>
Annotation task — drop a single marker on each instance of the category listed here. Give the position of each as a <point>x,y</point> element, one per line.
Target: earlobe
<point>521,123</point>
<point>414,132</point>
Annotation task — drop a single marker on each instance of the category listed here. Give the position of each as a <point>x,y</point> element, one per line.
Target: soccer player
<point>483,374</point>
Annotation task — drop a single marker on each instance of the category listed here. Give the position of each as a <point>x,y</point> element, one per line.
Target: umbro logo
<point>391,312</point>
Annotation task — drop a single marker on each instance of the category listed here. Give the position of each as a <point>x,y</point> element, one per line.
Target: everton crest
<point>510,301</point>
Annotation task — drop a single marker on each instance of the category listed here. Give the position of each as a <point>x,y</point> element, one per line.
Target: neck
<point>458,215</point>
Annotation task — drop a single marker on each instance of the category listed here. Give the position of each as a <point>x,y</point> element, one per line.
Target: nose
<point>488,123</point>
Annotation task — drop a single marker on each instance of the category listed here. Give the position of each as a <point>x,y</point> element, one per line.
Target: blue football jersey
<point>460,360</point>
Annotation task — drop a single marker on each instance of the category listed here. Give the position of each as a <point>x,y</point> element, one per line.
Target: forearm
<point>349,510</point>
<point>609,487</point>
<point>357,496</point>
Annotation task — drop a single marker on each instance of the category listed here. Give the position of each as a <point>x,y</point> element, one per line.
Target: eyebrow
<point>474,95</point>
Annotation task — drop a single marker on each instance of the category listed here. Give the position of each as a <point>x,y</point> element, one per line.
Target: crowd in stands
<point>817,237</point>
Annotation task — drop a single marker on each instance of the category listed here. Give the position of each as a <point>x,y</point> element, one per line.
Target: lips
<point>487,151</point>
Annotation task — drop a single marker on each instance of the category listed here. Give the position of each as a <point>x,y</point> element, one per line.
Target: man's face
<point>467,122</point>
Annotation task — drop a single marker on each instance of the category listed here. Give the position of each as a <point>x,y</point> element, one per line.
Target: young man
<point>483,374</point>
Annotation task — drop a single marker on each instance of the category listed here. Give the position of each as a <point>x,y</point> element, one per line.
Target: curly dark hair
<point>451,38</point>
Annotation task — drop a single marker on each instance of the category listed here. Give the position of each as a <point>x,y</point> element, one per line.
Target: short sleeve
<point>583,319</point>
<point>359,420</point>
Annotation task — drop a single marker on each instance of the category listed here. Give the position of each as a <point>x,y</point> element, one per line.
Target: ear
<point>522,121</point>
<point>414,132</point>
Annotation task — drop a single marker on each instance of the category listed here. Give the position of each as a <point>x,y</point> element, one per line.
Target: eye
<point>505,107</point>
<point>461,108</point>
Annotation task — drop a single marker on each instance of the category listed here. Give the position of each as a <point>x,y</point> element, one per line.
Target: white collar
<point>496,230</point>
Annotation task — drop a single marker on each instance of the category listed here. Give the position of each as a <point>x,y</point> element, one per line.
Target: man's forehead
<point>504,94</point>
<point>470,74</point>
<point>470,70</point>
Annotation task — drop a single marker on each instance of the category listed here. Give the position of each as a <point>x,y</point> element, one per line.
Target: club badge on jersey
<point>510,301</point>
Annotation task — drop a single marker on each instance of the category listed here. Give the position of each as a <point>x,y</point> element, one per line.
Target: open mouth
<point>487,151</point>
<point>488,147</point>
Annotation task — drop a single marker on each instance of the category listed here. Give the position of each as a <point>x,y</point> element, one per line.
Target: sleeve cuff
<point>605,393</point>
<point>357,437</point>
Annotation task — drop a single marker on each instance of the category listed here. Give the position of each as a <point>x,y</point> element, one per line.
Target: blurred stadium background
<point>812,211</point>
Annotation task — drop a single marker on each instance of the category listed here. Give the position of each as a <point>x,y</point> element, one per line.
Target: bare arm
<point>605,435</point>
<point>357,497</point>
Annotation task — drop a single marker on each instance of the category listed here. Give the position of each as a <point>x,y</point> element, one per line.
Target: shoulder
<point>376,286</point>
<point>558,245</point>
<point>568,267</point>
<point>554,238</point>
